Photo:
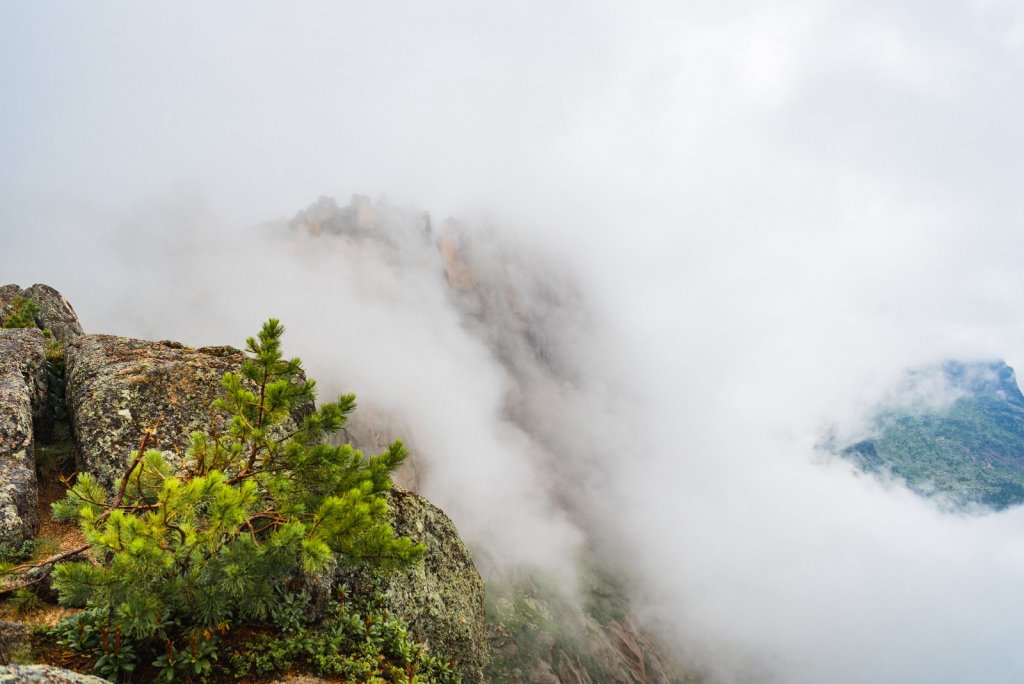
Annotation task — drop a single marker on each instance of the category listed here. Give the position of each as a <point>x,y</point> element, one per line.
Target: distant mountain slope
<point>970,448</point>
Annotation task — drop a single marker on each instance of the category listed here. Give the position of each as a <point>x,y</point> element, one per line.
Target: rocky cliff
<point>529,314</point>
<point>118,387</point>
<point>442,598</point>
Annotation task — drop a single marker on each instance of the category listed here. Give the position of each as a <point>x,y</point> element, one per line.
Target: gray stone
<point>441,597</point>
<point>118,387</point>
<point>22,397</point>
<point>40,674</point>
<point>55,312</point>
<point>8,293</point>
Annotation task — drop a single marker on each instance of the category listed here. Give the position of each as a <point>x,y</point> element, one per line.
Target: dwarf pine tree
<point>22,313</point>
<point>182,553</point>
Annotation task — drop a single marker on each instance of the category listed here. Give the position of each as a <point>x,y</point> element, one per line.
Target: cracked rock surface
<point>22,396</point>
<point>117,387</point>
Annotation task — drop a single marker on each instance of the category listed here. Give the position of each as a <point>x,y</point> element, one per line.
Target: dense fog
<point>730,228</point>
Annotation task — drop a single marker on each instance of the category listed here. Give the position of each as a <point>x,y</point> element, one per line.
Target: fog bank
<point>756,219</point>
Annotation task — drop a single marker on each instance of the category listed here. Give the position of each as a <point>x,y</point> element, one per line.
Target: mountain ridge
<point>968,449</point>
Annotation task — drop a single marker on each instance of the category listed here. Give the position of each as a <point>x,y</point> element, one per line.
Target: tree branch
<point>48,564</point>
<point>116,503</point>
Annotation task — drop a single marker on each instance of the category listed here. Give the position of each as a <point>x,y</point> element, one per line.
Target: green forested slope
<point>971,449</point>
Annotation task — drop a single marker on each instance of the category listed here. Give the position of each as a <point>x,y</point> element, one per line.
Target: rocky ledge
<point>118,387</point>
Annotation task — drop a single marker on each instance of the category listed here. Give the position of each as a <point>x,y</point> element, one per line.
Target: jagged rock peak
<point>362,218</point>
<point>55,312</point>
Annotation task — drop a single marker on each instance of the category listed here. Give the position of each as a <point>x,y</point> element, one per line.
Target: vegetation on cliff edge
<point>185,554</point>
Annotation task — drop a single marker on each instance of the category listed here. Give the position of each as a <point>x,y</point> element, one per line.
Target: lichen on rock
<point>441,597</point>
<point>55,312</point>
<point>118,387</point>
<point>22,398</point>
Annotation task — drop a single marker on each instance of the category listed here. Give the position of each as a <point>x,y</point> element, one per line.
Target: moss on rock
<point>441,597</point>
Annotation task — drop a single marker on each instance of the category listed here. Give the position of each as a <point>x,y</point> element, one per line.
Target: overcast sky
<point>772,209</point>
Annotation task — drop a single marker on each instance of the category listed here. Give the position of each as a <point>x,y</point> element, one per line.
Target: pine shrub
<point>181,554</point>
<point>22,313</point>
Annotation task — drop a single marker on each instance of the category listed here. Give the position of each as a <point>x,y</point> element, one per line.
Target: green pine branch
<point>259,502</point>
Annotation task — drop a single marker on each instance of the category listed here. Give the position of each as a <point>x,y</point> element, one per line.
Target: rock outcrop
<point>22,399</point>
<point>8,293</point>
<point>118,387</point>
<point>55,313</point>
<point>363,219</point>
<point>440,597</point>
